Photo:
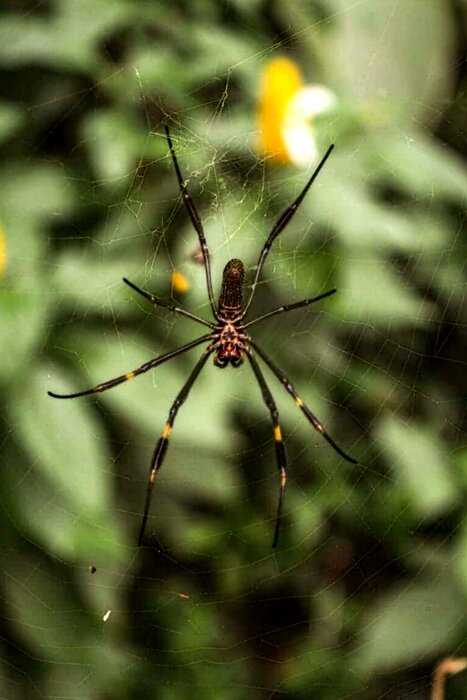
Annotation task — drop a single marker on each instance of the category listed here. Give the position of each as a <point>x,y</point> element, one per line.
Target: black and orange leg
<point>290,307</point>
<point>281,454</point>
<point>317,425</point>
<point>134,373</point>
<point>163,442</point>
<point>195,220</point>
<point>167,305</point>
<point>280,225</point>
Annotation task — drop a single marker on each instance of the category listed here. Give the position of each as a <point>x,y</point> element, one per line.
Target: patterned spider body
<point>230,341</point>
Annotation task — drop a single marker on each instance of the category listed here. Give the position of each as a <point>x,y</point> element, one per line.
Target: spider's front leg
<point>104,386</point>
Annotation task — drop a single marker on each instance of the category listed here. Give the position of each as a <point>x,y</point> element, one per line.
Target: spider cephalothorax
<point>228,341</point>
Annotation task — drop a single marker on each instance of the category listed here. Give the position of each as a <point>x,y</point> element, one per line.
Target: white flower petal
<point>312,100</point>
<point>297,131</point>
<point>300,142</point>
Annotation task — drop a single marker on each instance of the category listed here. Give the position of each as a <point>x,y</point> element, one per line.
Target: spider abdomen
<point>231,297</point>
<point>230,339</point>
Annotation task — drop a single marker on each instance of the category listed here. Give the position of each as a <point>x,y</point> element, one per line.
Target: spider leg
<point>290,307</point>
<point>281,454</point>
<point>163,442</point>
<point>280,225</point>
<point>130,375</point>
<point>195,220</point>
<point>317,425</point>
<point>167,305</point>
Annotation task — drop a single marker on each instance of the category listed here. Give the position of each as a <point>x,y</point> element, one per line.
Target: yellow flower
<point>286,111</point>
<point>3,258</point>
<point>179,282</point>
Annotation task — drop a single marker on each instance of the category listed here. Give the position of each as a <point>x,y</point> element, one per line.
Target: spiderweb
<point>367,589</point>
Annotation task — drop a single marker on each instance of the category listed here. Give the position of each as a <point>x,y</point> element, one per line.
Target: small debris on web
<point>106,616</point>
<point>197,256</point>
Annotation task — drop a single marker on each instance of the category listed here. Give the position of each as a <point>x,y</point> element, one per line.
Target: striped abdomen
<point>231,297</point>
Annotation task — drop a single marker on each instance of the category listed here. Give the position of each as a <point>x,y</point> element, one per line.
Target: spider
<point>228,341</point>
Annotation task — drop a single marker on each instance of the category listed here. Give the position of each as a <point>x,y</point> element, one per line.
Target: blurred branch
<point>446,667</point>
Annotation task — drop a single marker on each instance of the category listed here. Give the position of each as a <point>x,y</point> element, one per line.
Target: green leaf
<point>64,441</point>
<point>116,141</point>
<point>160,71</point>
<point>47,615</point>
<point>364,223</point>
<point>414,622</point>
<point>69,531</point>
<point>67,40</point>
<point>418,164</point>
<point>225,49</point>
<point>420,465</point>
<point>8,683</point>
<point>37,192</point>
<point>23,302</point>
<point>52,622</point>
<point>372,294</point>
<point>12,118</point>
<point>398,56</point>
<point>23,317</point>
<point>86,282</point>
<point>202,475</point>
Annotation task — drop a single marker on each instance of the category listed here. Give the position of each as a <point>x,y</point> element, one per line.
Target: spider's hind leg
<point>163,442</point>
<point>281,454</point>
<point>288,386</point>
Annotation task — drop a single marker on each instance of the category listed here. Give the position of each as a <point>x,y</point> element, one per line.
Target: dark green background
<point>368,589</point>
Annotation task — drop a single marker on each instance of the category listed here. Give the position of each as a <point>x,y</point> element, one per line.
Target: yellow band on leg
<point>167,430</point>
<point>283,478</point>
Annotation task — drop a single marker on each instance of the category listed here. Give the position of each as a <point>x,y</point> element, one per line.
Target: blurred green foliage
<point>369,586</point>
